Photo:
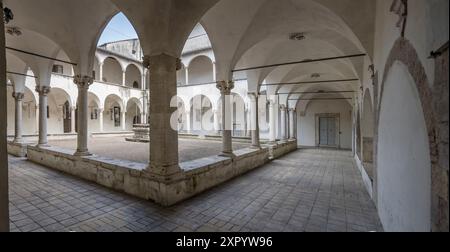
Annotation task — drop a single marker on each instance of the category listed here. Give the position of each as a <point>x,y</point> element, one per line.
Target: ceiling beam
<point>300,62</point>
<point>320,99</point>
<point>21,74</point>
<point>308,82</point>
<point>318,92</point>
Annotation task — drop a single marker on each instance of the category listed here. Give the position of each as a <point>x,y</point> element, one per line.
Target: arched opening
<point>133,113</point>
<point>112,71</point>
<point>403,160</point>
<point>367,131</point>
<point>238,115</point>
<point>112,118</point>
<point>201,115</point>
<point>59,119</point>
<point>133,77</point>
<point>200,70</point>
<point>94,113</point>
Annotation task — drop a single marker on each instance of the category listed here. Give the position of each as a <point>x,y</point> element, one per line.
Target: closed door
<point>327,126</point>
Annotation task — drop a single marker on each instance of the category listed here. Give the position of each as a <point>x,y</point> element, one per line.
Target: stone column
<point>37,119</point>
<point>100,75</point>
<point>100,117</point>
<point>254,120</point>
<point>4,184</point>
<point>163,137</point>
<point>283,123</point>
<point>43,92</point>
<point>142,118</point>
<point>214,71</point>
<point>291,124</point>
<point>272,132</point>
<point>18,117</point>
<point>188,121</point>
<point>123,120</point>
<point>227,122</point>
<point>73,119</point>
<point>216,122</point>
<point>83,83</point>
<point>124,78</point>
<point>186,72</point>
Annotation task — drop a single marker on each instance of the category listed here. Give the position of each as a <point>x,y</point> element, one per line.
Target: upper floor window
<point>59,69</point>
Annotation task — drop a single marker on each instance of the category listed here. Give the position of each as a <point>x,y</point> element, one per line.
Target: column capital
<point>283,107</point>
<point>225,87</point>
<point>291,110</point>
<point>148,61</point>
<point>18,96</point>
<point>83,81</point>
<point>253,96</point>
<point>43,90</point>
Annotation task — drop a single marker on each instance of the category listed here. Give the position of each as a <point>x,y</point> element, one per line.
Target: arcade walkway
<point>309,190</point>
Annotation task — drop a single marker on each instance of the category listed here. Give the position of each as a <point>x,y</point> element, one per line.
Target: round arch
<point>403,61</point>
<point>112,71</point>
<point>133,77</point>
<point>201,70</point>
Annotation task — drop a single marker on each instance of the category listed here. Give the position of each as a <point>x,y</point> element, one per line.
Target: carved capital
<point>253,97</point>
<point>179,64</point>
<point>146,61</point>
<point>400,8</point>
<point>43,90</point>
<point>83,81</point>
<point>225,87</point>
<point>283,107</point>
<point>18,96</point>
<point>292,110</point>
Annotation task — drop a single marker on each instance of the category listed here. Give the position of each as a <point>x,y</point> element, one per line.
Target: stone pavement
<point>308,190</point>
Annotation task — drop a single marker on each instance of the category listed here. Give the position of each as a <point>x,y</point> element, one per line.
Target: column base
<point>18,141</point>
<point>82,153</point>
<point>46,145</point>
<point>228,155</point>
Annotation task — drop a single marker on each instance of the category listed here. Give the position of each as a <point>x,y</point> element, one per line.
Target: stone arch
<point>404,53</point>
<point>134,110</point>
<point>113,110</point>
<point>133,77</point>
<point>112,71</point>
<point>201,70</point>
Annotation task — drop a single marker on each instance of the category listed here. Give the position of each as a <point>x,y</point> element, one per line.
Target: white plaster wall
<point>306,129</point>
<point>404,171</point>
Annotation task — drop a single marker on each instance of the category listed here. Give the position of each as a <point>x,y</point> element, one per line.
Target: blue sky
<point>119,28</point>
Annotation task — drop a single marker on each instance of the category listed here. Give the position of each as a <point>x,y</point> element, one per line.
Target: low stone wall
<point>17,149</point>
<point>133,178</point>
<point>281,149</point>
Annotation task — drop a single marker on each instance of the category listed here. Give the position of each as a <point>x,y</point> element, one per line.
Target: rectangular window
<point>59,69</point>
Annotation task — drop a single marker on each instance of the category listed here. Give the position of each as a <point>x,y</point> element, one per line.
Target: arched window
<point>135,84</point>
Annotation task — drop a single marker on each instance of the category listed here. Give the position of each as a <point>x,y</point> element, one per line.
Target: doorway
<point>327,130</point>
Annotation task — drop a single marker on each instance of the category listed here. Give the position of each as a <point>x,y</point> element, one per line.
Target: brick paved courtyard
<point>308,190</point>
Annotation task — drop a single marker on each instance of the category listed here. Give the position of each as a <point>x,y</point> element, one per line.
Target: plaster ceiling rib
<point>300,62</point>
<point>40,56</point>
<point>309,82</point>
